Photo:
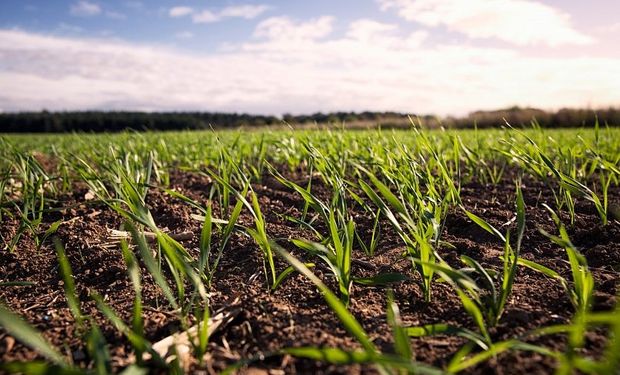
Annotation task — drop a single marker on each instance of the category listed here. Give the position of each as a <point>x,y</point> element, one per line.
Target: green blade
<point>25,333</point>
<point>484,225</point>
<point>346,318</point>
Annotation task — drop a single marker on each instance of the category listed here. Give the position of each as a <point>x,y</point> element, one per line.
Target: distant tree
<point>98,121</point>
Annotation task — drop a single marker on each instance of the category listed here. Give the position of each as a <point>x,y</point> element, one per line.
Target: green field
<point>434,251</point>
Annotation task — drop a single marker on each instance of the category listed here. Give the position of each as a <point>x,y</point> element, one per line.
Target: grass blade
<point>205,240</point>
<point>402,344</point>
<point>484,225</point>
<point>381,279</point>
<point>38,368</point>
<point>346,318</point>
<point>339,356</point>
<point>98,351</point>
<point>284,274</point>
<point>25,333</point>
<point>69,284</point>
<point>446,329</point>
<point>151,264</point>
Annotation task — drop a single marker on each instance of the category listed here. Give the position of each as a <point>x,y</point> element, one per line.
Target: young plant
<point>582,289</point>
<point>375,235</point>
<point>375,213</point>
<point>95,342</point>
<point>571,360</point>
<point>133,271</point>
<point>402,342</point>
<point>418,227</point>
<point>130,187</point>
<point>28,335</point>
<point>537,160</point>
<point>469,294</point>
<point>493,302</point>
<point>209,259</point>
<point>29,183</point>
<point>337,255</point>
<point>386,363</point>
<point>258,233</point>
<point>321,209</point>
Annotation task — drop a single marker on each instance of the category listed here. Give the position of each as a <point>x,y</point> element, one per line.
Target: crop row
<point>410,179</point>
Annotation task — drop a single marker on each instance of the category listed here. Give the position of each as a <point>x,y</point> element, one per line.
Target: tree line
<point>104,121</point>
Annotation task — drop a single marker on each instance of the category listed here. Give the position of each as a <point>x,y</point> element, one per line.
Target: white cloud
<point>609,29</point>
<point>367,31</point>
<point>244,11</point>
<point>208,16</point>
<point>371,67</point>
<point>205,16</point>
<point>85,8</point>
<point>180,11</point>
<point>286,28</point>
<point>522,22</point>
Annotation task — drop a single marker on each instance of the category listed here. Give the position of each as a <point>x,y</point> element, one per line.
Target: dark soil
<point>296,314</point>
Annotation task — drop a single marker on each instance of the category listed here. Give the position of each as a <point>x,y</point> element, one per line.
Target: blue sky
<point>151,22</point>
<point>416,56</point>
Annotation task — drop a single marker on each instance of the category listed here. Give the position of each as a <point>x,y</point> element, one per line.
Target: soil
<point>296,313</point>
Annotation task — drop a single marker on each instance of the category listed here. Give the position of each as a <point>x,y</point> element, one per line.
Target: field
<point>325,251</point>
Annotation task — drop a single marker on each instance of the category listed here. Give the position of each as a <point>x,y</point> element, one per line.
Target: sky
<point>443,57</point>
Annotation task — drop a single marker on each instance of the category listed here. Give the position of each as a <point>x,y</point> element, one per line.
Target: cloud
<point>85,8</point>
<point>205,16</point>
<point>371,66</point>
<point>244,11</point>
<point>180,11</point>
<point>286,28</point>
<point>208,16</point>
<point>609,29</point>
<point>367,31</point>
<point>522,22</point>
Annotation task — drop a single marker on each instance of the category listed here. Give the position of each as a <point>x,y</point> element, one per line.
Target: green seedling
<point>259,234</point>
<point>580,293</point>
<point>494,301</point>
<point>369,353</point>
